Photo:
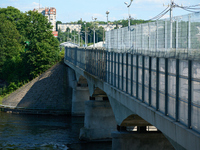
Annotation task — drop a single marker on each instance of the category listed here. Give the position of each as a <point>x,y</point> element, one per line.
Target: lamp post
<point>107,13</point>
<point>90,37</point>
<point>94,29</point>
<point>129,15</point>
<point>85,35</point>
<point>74,38</point>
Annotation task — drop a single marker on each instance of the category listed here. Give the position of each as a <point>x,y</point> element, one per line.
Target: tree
<point>15,29</point>
<point>44,47</point>
<point>58,22</point>
<point>10,47</point>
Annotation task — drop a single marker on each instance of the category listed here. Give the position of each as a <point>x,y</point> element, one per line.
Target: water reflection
<point>43,132</point>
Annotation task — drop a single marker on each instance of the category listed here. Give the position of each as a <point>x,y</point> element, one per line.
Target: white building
<point>63,27</point>
<point>110,26</point>
<point>50,13</point>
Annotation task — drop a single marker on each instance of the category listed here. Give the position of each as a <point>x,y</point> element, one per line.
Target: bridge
<point>148,75</point>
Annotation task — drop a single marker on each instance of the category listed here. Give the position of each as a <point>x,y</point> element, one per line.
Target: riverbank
<point>47,94</point>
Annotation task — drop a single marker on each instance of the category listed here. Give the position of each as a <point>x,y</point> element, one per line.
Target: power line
<point>160,15</point>
<point>192,8</point>
<point>189,8</point>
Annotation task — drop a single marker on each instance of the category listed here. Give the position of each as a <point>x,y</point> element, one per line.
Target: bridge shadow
<point>49,91</point>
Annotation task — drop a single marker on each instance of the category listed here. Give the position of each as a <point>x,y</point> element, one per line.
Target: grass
<point>1,98</point>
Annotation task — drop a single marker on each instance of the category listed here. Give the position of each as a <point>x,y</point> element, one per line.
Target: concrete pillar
<point>99,121</point>
<point>79,96</point>
<point>140,141</point>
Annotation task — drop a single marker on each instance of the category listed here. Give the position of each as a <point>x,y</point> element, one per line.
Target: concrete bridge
<point>129,87</point>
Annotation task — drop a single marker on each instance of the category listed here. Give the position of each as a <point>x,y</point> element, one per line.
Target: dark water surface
<point>36,132</point>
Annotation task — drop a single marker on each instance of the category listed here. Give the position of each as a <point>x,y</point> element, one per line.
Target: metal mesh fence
<point>178,37</point>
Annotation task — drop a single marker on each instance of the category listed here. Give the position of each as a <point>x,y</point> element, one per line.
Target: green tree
<point>44,47</point>
<point>58,22</point>
<point>10,47</point>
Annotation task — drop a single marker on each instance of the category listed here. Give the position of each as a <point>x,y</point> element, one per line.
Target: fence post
<point>75,56</point>
<point>176,37</point>
<point>165,37</point>
<point>157,83</point>
<point>149,40</point>
<point>177,89</point>
<point>131,74</point>
<point>143,66</point>
<point>149,81</point>
<point>111,68</point>
<point>189,92</point>
<point>122,81</point>
<point>126,72</point>
<point>166,86</point>
<point>156,35</point>
<point>106,62</point>
<point>137,76</point>
<point>115,67</point>
<point>118,70</point>
<point>189,35</point>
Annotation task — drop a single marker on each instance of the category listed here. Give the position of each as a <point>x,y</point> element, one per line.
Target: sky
<point>74,10</point>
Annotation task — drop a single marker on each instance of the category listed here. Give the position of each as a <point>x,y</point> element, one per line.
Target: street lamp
<point>94,29</point>
<point>129,16</point>
<point>85,35</point>
<point>74,38</point>
<point>90,37</point>
<point>107,13</point>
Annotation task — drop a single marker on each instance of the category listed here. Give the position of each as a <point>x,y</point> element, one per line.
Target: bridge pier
<point>124,140</point>
<point>99,121</point>
<point>79,96</point>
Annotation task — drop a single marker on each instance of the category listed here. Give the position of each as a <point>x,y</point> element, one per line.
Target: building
<point>63,27</point>
<point>110,26</point>
<point>50,13</point>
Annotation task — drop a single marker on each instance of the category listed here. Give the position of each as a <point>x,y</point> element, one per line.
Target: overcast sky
<point>74,10</point>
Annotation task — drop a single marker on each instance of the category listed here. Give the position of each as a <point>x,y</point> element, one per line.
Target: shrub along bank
<point>27,48</point>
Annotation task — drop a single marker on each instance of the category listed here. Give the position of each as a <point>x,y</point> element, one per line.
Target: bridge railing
<point>179,37</point>
<point>168,85</point>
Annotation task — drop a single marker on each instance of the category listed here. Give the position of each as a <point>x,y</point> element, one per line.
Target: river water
<point>43,132</point>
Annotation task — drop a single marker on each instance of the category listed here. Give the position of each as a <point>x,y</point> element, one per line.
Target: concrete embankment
<point>47,94</point>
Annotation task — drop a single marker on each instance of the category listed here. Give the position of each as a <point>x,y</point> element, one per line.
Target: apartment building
<point>50,13</point>
<point>63,27</point>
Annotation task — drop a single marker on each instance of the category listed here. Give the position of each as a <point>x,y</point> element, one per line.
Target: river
<point>44,132</point>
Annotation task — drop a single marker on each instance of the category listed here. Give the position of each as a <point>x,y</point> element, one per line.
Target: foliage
<point>58,22</point>
<point>10,46</point>
<point>17,65</point>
